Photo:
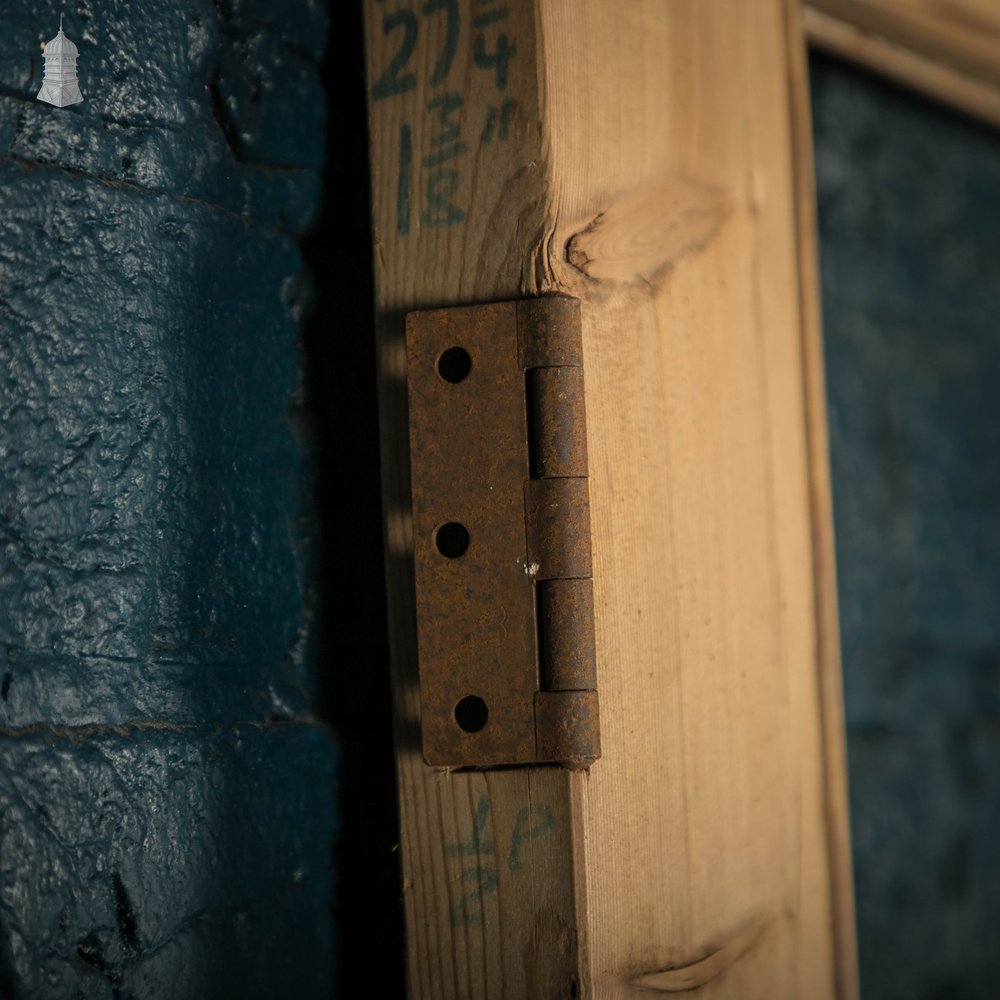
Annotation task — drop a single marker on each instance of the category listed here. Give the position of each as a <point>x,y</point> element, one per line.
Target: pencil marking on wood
<point>692,975</point>
<point>454,20</point>
<point>403,182</point>
<point>497,60</point>
<point>490,128</point>
<point>390,82</point>
<point>474,846</point>
<point>443,165</point>
<point>531,822</point>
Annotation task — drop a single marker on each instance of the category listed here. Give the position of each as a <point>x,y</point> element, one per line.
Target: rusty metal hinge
<point>501,526</point>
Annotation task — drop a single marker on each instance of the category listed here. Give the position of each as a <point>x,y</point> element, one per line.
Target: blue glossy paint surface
<point>164,831</point>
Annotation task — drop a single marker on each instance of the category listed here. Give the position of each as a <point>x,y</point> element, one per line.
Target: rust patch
<point>501,530</point>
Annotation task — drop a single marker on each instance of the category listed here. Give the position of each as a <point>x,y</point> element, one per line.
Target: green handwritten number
<point>489,17</point>
<point>441,209</point>
<point>446,105</point>
<point>467,910</point>
<point>532,822</point>
<point>403,181</point>
<point>476,845</point>
<point>454,21</point>
<point>390,82</point>
<point>492,128</point>
<point>496,61</point>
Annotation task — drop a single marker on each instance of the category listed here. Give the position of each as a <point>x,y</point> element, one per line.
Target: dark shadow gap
<point>353,693</point>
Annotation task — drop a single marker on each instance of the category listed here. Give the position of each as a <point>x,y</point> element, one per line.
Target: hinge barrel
<point>557,520</point>
<point>566,610</point>
<point>559,429</point>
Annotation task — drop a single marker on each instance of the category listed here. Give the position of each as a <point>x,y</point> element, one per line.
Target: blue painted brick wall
<point>166,801</point>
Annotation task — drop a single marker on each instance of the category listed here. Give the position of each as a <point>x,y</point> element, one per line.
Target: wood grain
<point>651,166</point>
<point>821,500</point>
<point>932,75</point>
<point>964,34</point>
<point>487,858</point>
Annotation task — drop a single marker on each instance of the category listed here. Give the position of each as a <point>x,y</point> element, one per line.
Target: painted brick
<point>166,801</point>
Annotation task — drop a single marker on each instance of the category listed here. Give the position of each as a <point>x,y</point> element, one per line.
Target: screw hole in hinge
<point>452,539</point>
<point>472,714</point>
<point>454,365</point>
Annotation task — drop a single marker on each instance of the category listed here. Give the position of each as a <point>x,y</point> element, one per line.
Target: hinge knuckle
<point>569,659</point>
<point>557,520</point>
<point>559,423</point>
<point>549,334</point>
<point>567,727</point>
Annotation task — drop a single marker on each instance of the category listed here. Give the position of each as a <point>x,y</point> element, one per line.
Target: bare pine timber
<point>947,49</point>
<point>964,34</point>
<point>825,575</point>
<point>647,158</point>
